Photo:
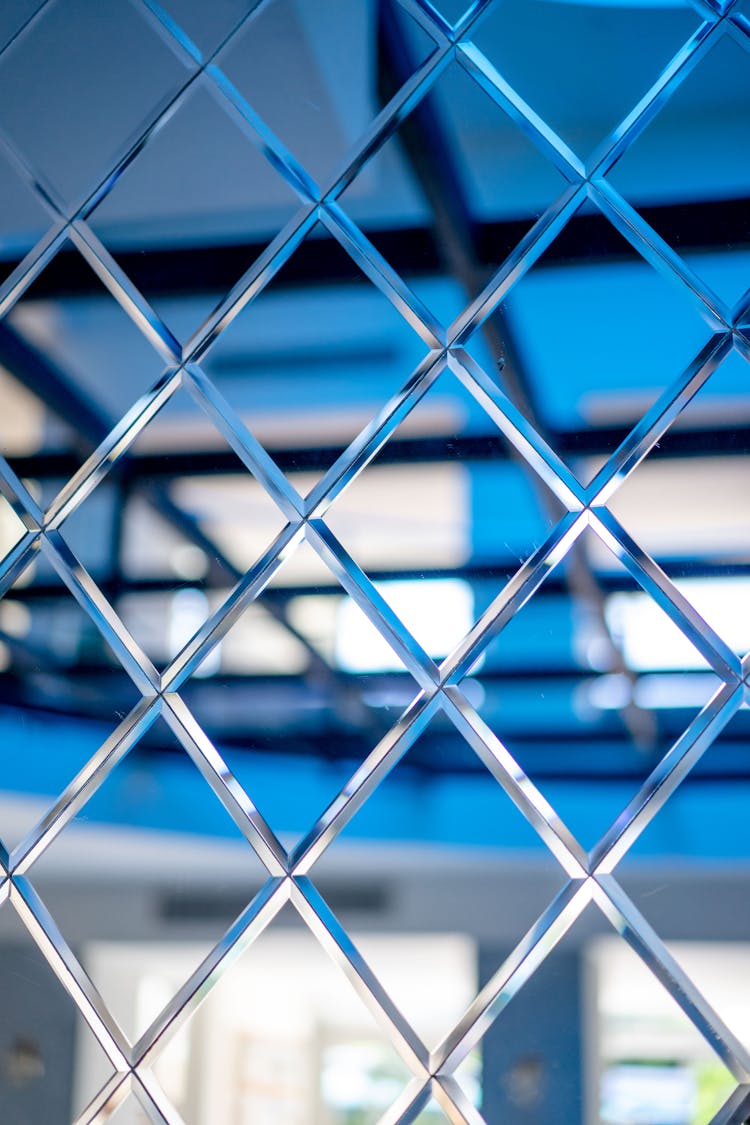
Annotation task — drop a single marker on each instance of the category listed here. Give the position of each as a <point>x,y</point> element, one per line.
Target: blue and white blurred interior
<point>439,875</point>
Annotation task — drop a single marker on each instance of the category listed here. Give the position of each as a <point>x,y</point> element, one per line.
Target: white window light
<point>438,611</point>
<point>651,642</point>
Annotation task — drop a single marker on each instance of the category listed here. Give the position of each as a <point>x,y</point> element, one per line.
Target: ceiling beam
<point>494,574</point>
<point>588,239</point>
<point>727,440</point>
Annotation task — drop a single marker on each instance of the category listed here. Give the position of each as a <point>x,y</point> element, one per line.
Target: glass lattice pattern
<point>318,193</point>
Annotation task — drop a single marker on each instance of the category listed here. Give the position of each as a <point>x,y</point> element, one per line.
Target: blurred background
<point>438,876</point>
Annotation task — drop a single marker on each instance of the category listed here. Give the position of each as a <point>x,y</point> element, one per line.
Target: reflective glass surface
<point>374,437</point>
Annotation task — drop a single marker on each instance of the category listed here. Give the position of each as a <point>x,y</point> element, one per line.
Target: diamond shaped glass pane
<point>188,525</point>
<point>689,175</point>
<point>284,698</point>
<point>57,340</point>
<point>453,192</point>
<point>153,808</point>
<point>203,198</point>
<point>43,1037</point>
<point>583,66</point>
<point>60,683</point>
<point>314,357</point>
<point>452,505</point>
<point>468,863</point>
<point>278,1056</point>
<point>567,359</point>
<point>65,134</point>
<point>326,61</point>
<point>568,688</point>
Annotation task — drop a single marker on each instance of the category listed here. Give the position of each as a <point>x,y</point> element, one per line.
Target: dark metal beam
<point>52,387</point>
<point>494,574</point>
<point>716,441</point>
<point>581,753</point>
<point>587,239</point>
<point>98,673</point>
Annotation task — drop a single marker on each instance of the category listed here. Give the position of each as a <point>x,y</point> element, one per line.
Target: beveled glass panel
<point>689,170</point>
<point>373,543</point>
<point>152,804</point>
<point>583,66</point>
<point>76,56</point>
<point>244,203</point>
<point>41,1034</point>
<point>315,357</point>
<point>326,64</point>
<point>580,376</point>
<point>58,338</point>
<point>455,190</point>
<point>274,1019</point>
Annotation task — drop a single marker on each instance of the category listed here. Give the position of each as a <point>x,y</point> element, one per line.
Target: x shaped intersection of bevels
<point>589,874</point>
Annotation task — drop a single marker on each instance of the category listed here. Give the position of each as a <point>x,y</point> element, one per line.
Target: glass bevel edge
<point>83,786</point>
<point>339,946</point>
<point>664,779</point>
<point>45,932</point>
<point>524,794</point>
<point>253,920</point>
<point>253,826</point>
<point>628,921</point>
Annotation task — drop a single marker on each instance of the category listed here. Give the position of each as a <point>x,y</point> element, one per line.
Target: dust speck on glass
<point>375,744</point>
